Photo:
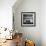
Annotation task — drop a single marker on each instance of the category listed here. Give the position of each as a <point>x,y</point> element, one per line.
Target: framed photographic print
<point>28,19</point>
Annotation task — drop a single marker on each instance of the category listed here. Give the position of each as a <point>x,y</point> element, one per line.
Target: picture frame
<point>28,19</point>
<point>13,22</point>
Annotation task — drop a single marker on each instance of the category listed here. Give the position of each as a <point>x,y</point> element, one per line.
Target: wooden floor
<point>9,43</point>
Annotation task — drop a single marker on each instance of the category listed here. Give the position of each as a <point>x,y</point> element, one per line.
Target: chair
<point>18,39</point>
<point>29,43</point>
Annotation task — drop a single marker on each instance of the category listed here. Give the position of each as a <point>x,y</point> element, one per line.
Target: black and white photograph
<point>28,19</point>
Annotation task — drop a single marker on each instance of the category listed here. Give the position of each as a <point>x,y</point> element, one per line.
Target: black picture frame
<point>28,19</point>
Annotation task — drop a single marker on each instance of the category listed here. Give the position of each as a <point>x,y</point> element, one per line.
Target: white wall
<point>28,32</point>
<point>43,22</point>
<point>38,33</point>
<point>6,13</point>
